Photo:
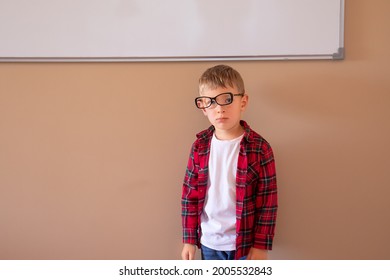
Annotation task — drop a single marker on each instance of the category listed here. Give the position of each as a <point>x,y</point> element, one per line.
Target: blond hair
<point>221,76</point>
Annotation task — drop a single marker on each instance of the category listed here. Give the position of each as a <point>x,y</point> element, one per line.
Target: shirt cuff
<point>263,241</point>
<point>190,236</point>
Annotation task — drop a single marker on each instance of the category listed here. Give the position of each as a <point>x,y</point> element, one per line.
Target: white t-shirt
<point>218,220</point>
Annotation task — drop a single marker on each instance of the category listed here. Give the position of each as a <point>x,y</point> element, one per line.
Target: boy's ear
<point>244,102</point>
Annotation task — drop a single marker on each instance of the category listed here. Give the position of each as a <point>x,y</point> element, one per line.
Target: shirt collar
<point>208,133</point>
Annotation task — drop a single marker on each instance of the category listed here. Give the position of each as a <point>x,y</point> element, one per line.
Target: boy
<point>229,198</point>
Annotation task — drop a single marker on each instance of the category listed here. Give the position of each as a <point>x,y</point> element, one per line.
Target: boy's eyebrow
<point>219,94</point>
<point>235,94</point>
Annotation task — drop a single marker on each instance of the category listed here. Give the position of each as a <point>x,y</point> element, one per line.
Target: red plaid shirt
<point>256,191</point>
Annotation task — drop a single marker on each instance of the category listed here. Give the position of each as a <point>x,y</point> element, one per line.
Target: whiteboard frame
<point>339,55</point>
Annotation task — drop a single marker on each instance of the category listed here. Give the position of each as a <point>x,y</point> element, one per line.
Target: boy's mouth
<point>221,119</point>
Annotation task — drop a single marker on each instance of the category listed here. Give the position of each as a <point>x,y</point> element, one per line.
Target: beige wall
<point>92,155</point>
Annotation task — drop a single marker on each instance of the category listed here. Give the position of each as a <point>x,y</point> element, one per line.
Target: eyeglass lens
<point>221,99</point>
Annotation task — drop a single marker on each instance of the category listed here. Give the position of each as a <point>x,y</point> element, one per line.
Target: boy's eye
<point>204,102</point>
<point>224,99</point>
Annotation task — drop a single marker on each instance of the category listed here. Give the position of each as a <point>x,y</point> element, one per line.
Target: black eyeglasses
<point>222,99</point>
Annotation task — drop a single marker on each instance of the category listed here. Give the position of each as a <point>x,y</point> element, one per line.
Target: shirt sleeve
<point>189,200</point>
<point>266,201</point>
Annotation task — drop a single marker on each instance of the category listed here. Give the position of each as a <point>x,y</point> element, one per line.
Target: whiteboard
<point>170,30</point>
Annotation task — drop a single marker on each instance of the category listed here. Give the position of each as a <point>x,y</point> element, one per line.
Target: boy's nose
<point>220,109</point>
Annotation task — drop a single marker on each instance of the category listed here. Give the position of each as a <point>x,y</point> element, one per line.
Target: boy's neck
<point>230,134</point>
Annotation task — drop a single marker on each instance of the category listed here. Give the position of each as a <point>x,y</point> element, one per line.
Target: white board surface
<point>154,30</point>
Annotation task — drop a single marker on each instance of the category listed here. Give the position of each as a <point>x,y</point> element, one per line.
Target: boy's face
<point>225,119</point>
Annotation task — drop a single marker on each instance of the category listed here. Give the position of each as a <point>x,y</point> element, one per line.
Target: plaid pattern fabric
<point>256,191</point>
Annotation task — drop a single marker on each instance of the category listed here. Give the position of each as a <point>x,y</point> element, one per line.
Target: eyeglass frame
<point>215,99</point>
